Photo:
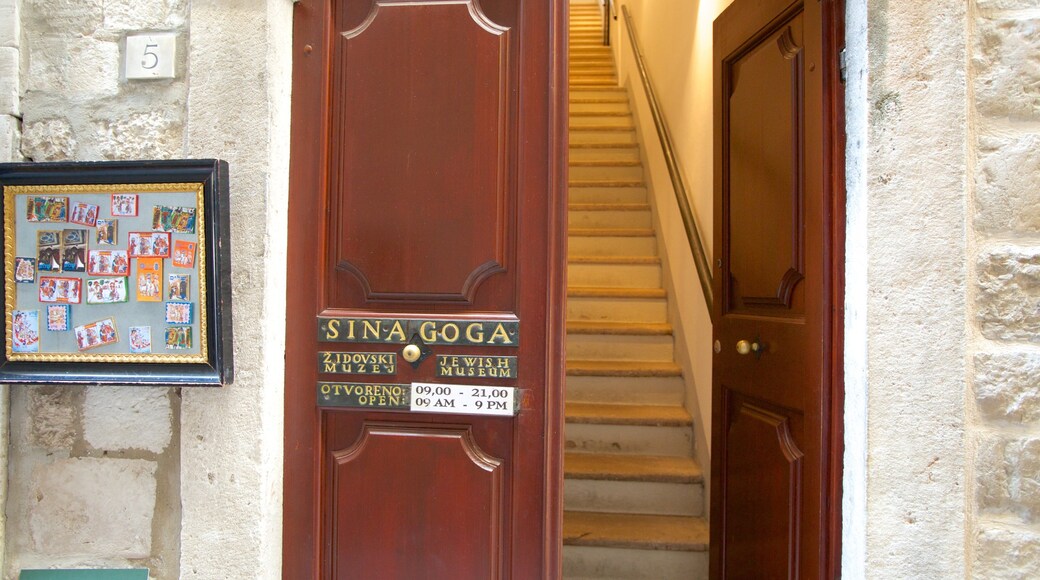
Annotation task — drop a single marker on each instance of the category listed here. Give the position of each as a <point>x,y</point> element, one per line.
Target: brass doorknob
<point>411,353</point>
<point>745,347</point>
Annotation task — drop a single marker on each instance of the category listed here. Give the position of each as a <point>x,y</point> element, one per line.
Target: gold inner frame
<point>10,211</point>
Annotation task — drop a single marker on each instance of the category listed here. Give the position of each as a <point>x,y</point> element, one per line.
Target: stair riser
<point>620,347</point>
<point>580,137</point>
<point>601,124</point>
<point>604,155</point>
<point>600,108</point>
<point>636,497</point>
<point>611,246</point>
<point>613,94</point>
<point>626,390</point>
<point>640,439</point>
<point>607,194</point>
<point>617,309</point>
<point>609,219</point>
<point>615,275</point>
<point>628,564</point>
<point>606,173</point>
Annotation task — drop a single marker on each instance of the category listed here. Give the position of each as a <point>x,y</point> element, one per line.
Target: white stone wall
<point>1004,72</point>
<point>185,482</point>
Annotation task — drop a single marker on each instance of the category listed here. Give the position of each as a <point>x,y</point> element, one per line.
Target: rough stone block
<point>9,83</point>
<point>53,417</point>
<point>10,139</point>
<point>10,24</point>
<point>1008,477</point>
<point>73,17</point>
<point>1007,4</point>
<point>1006,554</point>
<point>127,15</point>
<point>1006,62</point>
<point>91,506</point>
<point>48,140</point>
<point>1008,183</point>
<point>150,135</point>
<point>78,68</point>
<point>1007,386</point>
<point>121,418</point>
<point>1008,297</point>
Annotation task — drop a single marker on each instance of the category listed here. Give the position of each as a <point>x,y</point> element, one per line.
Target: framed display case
<point>117,273</point>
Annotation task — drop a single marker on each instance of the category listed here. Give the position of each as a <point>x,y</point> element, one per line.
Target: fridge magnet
<point>178,337</point>
<point>124,204</point>
<point>184,254</point>
<point>108,263</point>
<point>149,279</point>
<point>25,331</point>
<point>106,290</point>
<point>74,250</point>
<point>107,232</point>
<point>56,289</point>
<point>48,251</point>
<point>179,220</point>
<point>96,334</point>
<point>179,289</point>
<point>85,214</point>
<point>59,317</point>
<point>25,270</point>
<point>47,209</point>
<point>140,339</point>
<point>178,313</point>
<point>154,244</point>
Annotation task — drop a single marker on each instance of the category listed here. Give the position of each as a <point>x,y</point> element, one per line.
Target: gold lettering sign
<point>357,363</point>
<point>437,332</point>
<point>364,395</point>
<point>476,366</point>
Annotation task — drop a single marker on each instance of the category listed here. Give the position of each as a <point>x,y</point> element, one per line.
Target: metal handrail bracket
<point>700,257</point>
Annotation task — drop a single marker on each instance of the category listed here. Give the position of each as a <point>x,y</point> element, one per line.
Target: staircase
<point>633,495</point>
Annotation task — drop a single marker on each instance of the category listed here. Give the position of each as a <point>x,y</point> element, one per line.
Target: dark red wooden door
<point>773,460</point>
<point>427,212</point>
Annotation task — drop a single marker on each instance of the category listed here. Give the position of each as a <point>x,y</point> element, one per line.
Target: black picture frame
<point>214,366</point>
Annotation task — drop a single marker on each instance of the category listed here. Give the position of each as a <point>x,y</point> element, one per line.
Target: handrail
<point>608,11</point>
<point>700,258</point>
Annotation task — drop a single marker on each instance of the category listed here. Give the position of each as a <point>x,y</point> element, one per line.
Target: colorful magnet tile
<point>107,232</point>
<point>141,339</point>
<point>74,250</point>
<point>85,214</point>
<point>47,209</point>
<point>108,263</point>
<point>56,289</point>
<point>48,251</point>
<point>184,254</point>
<point>179,289</point>
<point>59,317</point>
<point>178,312</point>
<point>179,220</point>
<point>149,279</point>
<point>25,331</point>
<point>178,337</point>
<point>96,334</point>
<point>124,204</point>
<point>106,290</point>
<point>25,270</point>
<point>148,244</point>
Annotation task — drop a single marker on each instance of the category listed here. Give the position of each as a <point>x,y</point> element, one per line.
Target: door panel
<point>413,181</point>
<point>772,461</point>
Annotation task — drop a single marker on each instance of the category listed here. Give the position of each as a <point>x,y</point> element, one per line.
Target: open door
<point>426,290</point>
<point>776,417</point>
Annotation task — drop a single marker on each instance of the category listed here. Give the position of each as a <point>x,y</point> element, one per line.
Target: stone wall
<point>1004,74</point>
<point>185,482</point>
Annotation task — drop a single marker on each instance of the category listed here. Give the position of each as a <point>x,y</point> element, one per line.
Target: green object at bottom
<point>121,574</point>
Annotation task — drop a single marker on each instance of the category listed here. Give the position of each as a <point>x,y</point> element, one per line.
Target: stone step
<point>597,194</point>
<point>583,242</point>
<point>616,308</point>
<point>601,123</point>
<point>600,108</point>
<point>603,138</point>
<point>642,484</point>
<point>615,94</point>
<point>625,390</point>
<point>621,347</point>
<point>604,155</point>
<point>619,273</point>
<point>627,172</point>
<point>607,217</point>
<point>593,82</point>
<point>634,547</point>
<point>628,429</point>
<point>640,369</point>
